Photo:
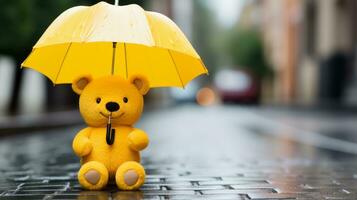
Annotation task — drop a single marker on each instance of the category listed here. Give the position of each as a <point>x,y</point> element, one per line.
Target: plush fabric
<point>98,167</point>
<point>110,161</point>
<point>124,168</point>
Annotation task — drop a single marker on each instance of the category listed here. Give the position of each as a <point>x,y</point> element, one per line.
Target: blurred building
<point>328,45</point>
<point>311,45</point>
<point>180,11</point>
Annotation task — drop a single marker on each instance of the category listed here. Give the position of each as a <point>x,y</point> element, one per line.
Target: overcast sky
<point>227,11</point>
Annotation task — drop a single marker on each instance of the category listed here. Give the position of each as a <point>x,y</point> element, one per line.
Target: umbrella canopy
<point>105,39</point>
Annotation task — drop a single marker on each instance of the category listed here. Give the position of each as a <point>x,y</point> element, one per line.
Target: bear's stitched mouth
<point>107,116</point>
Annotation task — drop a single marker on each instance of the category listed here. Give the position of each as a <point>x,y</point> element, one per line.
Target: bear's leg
<point>130,176</point>
<point>93,175</point>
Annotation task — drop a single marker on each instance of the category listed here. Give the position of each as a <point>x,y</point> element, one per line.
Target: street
<point>219,152</point>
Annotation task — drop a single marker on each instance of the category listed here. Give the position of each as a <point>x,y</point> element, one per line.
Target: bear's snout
<point>112,106</point>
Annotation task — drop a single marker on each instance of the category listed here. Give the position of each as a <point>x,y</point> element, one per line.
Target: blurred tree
<point>205,33</point>
<point>247,51</point>
<point>23,22</point>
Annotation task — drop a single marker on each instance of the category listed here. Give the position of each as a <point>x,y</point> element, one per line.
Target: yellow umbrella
<point>105,39</point>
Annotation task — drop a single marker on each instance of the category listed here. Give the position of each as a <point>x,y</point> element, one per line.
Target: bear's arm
<point>138,140</point>
<point>82,146</point>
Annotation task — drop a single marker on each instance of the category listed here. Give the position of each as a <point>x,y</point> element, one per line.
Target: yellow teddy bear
<point>109,147</point>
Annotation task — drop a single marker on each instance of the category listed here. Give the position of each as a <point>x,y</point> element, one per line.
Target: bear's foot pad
<point>92,176</point>
<point>131,177</point>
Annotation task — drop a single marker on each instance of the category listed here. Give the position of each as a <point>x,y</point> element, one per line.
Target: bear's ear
<point>80,83</point>
<point>141,83</point>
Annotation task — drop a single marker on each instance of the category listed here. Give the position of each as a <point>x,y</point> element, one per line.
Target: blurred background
<point>284,53</point>
<point>282,87</point>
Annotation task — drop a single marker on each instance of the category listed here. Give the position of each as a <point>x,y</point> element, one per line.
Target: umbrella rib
<point>173,61</point>
<point>126,61</point>
<point>113,57</point>
<point>64,58</point>
<point>204,66</point>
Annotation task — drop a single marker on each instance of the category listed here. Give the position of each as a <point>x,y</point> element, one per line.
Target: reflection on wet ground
<point>204,153</point>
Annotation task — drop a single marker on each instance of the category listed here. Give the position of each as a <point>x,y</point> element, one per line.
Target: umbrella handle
<point>110,134</point>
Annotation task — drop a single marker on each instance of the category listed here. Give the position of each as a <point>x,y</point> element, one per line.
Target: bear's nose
<point>112,106</point>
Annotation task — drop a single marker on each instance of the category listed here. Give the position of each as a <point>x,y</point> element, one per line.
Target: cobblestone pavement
<point>195,153</point>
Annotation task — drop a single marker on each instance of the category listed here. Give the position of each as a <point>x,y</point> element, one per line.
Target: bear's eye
<point>98,100</point>
<point>125,100</point>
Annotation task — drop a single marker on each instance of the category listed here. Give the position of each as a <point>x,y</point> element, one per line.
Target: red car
<point>237,86</point>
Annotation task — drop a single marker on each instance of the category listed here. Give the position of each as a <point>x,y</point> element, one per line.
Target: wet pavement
<point>202,153</point>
